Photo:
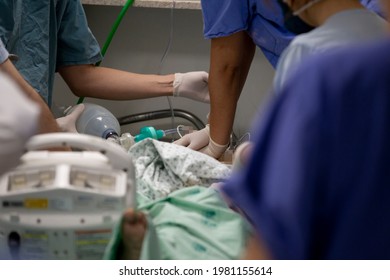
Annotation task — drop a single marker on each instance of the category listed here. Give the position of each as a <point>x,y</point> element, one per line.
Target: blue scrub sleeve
<point>224,17</point>
<point>375,6</point>
<point>76,43</point>
<point>3,53</point>
<point>262,20</point>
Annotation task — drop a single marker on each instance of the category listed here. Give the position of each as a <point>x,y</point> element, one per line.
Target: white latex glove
<point>214,150</point>
<point>68,123</point>
<point>201,141</point>
<point>192,85</point>
<point>195,140</point>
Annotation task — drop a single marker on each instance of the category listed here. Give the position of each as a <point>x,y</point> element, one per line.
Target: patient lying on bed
<point>178,216</point>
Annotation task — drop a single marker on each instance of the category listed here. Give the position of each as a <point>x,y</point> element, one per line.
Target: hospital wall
<point>139,45</point>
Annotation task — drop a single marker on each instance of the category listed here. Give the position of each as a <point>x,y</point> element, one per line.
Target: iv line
<point>167,49</point>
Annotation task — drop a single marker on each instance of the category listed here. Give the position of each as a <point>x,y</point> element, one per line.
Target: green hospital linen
<point>191,223</point>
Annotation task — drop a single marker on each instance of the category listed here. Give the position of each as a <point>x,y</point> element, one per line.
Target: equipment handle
<point>117,156</point>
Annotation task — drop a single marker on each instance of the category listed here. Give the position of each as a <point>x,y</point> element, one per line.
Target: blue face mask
<point>293,23</point>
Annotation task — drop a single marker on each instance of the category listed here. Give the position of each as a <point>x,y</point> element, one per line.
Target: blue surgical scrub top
<point>318,182</point>
<point>46,35</point>
<point>262,19</point>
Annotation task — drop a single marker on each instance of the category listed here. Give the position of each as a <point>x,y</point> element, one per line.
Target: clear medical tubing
<point>98,121</point>
<point>170,131</point>
<point>111,34</point>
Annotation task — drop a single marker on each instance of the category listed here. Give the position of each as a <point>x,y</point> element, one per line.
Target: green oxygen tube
<point>111,34</point>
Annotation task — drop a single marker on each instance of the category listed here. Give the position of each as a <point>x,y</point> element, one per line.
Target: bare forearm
<point>107,83</point>
<point>230,62</point>
<point>224,93</point>
<point>47,122</point>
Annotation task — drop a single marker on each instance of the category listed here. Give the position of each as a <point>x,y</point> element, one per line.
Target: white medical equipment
<point>64,205</point>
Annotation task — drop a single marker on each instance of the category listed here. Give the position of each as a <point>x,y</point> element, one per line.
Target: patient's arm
<point>133,232</point>
<point>256,250</point>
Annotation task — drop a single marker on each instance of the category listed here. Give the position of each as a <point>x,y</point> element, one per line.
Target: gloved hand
<point>195,140</point>
<point>201,141</point>
<point>214,150</point>
<point>192,85</point>
<point>68,123</point>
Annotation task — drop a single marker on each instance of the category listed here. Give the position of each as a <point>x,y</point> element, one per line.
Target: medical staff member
<point>235,29</point>
<point>49,36</point>
<point>47,123</point>
<point>19,118</point>
<point>338,23</point>
<point>317,182</point>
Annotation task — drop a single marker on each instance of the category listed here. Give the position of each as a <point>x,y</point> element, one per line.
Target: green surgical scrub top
<point>46,35</point>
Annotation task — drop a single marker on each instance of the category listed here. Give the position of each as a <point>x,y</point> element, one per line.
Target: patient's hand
<point>133,231</point>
